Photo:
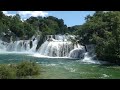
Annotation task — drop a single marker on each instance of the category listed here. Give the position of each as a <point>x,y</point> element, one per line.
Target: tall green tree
<point>103,30</point>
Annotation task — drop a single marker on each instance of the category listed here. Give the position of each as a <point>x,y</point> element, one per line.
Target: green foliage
<point>103,30</point>
<point>48,25</point>
<point>3,28</point>
<point>74,29</point>
<point>6,72</point>
<point>20,70</point>
<point>27,69</point>
<point>32,26</point>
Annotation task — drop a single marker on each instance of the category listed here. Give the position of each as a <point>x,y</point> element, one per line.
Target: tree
<point>103,30</point>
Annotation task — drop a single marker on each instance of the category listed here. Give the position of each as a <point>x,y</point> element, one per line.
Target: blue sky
<point>70,18</point>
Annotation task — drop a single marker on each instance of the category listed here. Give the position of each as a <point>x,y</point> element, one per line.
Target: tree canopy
<point>103,30</point>
<point>33,25</point>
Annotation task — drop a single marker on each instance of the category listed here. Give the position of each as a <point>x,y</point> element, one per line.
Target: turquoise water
<point>64,68</point>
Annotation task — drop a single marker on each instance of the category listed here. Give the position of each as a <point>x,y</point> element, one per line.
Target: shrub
<point>6,72</point>
<point>27,69</point>
<point>20,70</point>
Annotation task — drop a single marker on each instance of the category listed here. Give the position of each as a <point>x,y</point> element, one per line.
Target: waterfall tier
<point>77,52</point>
<point>53,46</point>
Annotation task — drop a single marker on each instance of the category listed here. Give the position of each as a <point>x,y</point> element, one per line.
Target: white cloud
<point>32,13</point>
<point>26,14</point>
<point>7,13</point>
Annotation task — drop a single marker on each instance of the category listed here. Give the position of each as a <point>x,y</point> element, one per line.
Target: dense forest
<point>33,25</point>
<point>101,29</point>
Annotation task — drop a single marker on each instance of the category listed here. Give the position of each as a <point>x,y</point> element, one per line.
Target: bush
<point>19,70</point>
<point>6,72</point>
<point>27,69</point>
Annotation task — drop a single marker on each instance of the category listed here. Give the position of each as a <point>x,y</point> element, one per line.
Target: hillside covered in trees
<point>32,26</point>
<point>102,29</point>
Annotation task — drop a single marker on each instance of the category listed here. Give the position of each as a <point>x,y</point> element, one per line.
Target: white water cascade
<point>54,46</point>
<point>57,46</point>
<point>20,45</point>
<point>77,52</point>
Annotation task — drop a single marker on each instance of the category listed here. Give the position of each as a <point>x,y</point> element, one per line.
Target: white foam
<point>43,56</point>
<point>89,60</point>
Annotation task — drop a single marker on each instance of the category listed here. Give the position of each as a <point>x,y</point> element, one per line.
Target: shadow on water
<point>110,66</point>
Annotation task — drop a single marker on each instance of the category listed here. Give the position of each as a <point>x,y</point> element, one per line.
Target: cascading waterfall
<point>20,45</point>
<point>54,46</point>
<point>77,52</point>
<point>2,46</point>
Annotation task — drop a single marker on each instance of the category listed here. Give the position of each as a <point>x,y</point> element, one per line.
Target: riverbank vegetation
<point>103,30</point>
<point>20,70</point>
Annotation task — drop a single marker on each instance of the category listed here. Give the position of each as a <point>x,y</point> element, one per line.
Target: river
<point>64,68</point>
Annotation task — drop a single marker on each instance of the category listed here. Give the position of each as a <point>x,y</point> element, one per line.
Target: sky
<point>70,18</point>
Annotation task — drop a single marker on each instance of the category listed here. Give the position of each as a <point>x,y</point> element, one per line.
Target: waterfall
<point>77,52</point>
<point>53,46</point>
<point>2,46</point>
<point>89,59</point>
<point>20,45</point>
